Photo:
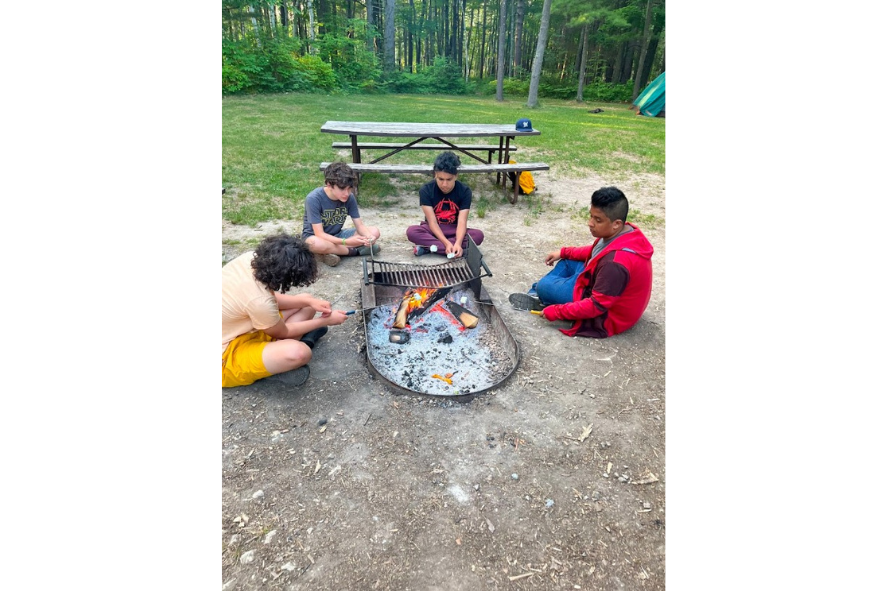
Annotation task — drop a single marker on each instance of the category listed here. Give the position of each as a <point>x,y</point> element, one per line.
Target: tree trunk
<point>627,65</point>
<point>389,36</point>
<point>584,64</point>
<point>519,15</point>
<point>370,26</point>
<point>409,37</point>
<point>643,46</point>
<point>461,33</point>
<point>311,20</point>
<point>420,36</point>
<point>255,26</point>
<point>500,63</point>
<point>535,80</point>
<point>647,64</point>
<point>469,48</point>
<point>483,41</point>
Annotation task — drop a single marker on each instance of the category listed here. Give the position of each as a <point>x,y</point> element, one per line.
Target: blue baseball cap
<point>524,125</point>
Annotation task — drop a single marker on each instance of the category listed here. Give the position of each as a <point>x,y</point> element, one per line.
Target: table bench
<point>490,149</point>
<point>516,168</point>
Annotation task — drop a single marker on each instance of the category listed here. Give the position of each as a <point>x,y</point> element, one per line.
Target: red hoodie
<point>612,292</point>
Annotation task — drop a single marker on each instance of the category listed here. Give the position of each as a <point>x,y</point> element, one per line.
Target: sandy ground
<point>554,479</point>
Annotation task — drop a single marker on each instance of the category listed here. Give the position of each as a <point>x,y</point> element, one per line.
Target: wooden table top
<point>404,129</point>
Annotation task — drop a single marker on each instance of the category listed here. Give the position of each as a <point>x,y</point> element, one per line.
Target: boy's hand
<point>336,317</point>
<point>321,306</point>
<point>455,249</point>
<point>552,257</point>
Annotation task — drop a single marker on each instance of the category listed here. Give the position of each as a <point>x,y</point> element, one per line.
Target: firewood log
<point>403,310</point>
<point>465,316</point>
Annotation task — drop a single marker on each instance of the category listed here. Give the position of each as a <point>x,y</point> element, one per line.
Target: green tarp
<point>651,101</point>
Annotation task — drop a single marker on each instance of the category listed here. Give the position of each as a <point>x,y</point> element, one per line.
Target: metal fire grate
<point>449,274</point>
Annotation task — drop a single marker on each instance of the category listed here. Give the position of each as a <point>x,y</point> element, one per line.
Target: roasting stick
<point>350,312</point>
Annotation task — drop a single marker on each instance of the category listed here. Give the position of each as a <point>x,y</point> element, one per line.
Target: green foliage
<point>271,67</point>
<point>233,79</point>
<point>317,72</point>
<point>510,87</point>
<point>607,92</point>
<point>354,66</point>
<point>552,88</point>
<point>443,77</point>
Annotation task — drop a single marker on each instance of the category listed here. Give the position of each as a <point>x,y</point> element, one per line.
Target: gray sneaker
<point>524,301</point>
<point>296,377</point>
<point>363,251</point>
<point>330,259</point>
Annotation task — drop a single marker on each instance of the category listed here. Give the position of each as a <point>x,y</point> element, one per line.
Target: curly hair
<point>340,175</point>
<point>447,162</point>
<point>283,261</point>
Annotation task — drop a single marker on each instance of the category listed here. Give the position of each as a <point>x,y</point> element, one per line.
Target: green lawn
<point>272,145</point>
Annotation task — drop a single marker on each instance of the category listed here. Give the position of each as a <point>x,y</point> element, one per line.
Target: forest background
<point>596,50</point>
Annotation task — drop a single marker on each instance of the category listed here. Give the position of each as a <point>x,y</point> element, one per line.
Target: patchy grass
<point>272,145</point>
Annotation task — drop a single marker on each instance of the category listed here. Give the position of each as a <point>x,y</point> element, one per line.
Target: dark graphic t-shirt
<point>320,209</point>
<point>446,206</point>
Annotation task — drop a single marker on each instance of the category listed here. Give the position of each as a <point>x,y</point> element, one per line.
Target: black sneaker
<point>310,339</point>
<point>524,301</point>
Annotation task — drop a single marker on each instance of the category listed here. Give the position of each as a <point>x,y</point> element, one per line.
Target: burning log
<point>416,302</point>
<point>465,316</point>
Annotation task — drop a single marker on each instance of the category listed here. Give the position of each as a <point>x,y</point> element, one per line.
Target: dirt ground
<point>555,479</point>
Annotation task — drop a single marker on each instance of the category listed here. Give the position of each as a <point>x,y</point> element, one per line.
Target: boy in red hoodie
<point>604,286</point>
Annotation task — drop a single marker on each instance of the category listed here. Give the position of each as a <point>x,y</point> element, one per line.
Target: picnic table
<point>445,136</point>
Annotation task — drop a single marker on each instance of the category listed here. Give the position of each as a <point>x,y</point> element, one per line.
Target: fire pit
<point>433,329</point>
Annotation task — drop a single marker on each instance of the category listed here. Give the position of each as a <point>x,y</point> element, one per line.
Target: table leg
<point>516,186</point>
<point>498,175</point>
<point>355,151</point>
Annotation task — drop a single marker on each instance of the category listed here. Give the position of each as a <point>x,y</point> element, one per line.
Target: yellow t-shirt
<point>247,305</point>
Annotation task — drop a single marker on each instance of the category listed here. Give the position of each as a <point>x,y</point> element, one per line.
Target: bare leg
<point>318,246</point>
<point>295,315</point>
<point>374,232</point>
<point>285,355</point>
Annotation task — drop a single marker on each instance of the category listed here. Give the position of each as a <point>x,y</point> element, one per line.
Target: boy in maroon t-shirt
<point>446,203</point>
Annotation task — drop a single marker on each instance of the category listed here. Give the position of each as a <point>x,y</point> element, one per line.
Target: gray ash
<point>441,345</point>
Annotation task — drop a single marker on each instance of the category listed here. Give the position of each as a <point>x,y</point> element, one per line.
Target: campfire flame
<point>416,303</point>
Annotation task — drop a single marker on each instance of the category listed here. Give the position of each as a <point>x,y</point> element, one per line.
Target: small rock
<point>258,494</point>
<point>605,474</point>
<point>647,505</point>
<point>288,566</point>
<point>270,536</point>
<point>476,487</point>
<point>322,422</point>
<point>514,476</point>
<point>549,503</point>
<point>247,557</point>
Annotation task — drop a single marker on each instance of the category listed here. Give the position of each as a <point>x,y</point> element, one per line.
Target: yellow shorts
<point>242,361</point>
